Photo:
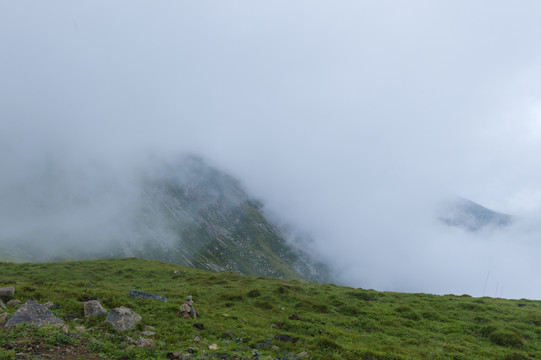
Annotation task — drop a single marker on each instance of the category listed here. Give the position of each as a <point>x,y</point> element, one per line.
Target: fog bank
<point>349,120</point>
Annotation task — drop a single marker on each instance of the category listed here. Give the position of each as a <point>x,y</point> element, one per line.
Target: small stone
<point>226,315</point>
<point>275,348</point>
<point>65,329</point>
<point>145,343</point>
<point>7,293</point>
<point>49,304</point>
<point>302,354</point>
<point>197,339</point>
<point>186,357</point>
<point>93,308</point>
<point>80,328</point>
<point>14,302</point>
<point>151,328</point>
<point>2,305</point>
<point>148,333</point>
<point>213,347</point>
<point>192,350</point>
<point>130,340</point>
<point>3,318</point>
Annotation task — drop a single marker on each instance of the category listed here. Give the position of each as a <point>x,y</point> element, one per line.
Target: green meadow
<point>259,318</point>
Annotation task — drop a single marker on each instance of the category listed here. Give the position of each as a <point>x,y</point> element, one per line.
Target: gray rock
<point>35,314</point>
<point>2,305</point>
<point>143,295</point>
<point>148,333</point>
<point>93,308</point>
<point>145,343</point>
<point>3,318</point>
<point>49,304</point>
<point>7,293</point>
<point>14,302</point>
<point>122,319</point>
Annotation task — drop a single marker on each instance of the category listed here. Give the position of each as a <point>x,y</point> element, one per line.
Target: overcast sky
<point>349,119</point>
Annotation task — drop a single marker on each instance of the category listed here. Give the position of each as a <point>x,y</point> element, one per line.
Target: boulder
<point>122,319</point>
<point>35,314</point>
<point>7,293</point>
<point>93,308</point>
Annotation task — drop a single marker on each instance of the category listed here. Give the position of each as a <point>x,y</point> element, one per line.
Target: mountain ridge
<point>182,212</point>
<point>469,215</point>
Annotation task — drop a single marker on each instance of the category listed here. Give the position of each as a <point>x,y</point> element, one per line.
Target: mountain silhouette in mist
<point>182,212</point>
<point>471,216</point>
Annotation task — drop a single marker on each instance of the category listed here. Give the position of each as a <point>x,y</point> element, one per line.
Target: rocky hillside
<point>182,212</point>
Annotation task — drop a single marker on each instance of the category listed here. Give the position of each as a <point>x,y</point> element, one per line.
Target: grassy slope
<point>337,322</point>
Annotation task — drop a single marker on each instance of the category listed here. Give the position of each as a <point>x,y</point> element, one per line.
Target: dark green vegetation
<point>182,212</point>
<point>242,313</point>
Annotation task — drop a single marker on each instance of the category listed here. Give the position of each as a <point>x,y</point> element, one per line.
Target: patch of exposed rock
<point>122,319</point>
<point>35,314</point>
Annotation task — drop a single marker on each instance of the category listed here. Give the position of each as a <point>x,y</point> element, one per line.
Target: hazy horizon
<point>349,120</point>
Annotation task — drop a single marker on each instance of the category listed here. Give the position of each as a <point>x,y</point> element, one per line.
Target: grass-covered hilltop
<point>245,317</point>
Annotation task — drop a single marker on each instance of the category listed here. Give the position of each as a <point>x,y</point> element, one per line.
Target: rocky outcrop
<point>35,314</point>
<point>93,308</point>
<point>122,319</point>
<point>7,293</point>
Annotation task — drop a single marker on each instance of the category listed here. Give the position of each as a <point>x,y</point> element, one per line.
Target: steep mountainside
<point>195,215</point>
<point>183,212</point>
<point>471,216</point>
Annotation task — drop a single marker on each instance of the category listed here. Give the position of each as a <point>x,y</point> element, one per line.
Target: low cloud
<point>349,120</point>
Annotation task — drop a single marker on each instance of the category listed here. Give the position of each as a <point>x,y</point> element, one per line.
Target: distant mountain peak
<point>471,216</point>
